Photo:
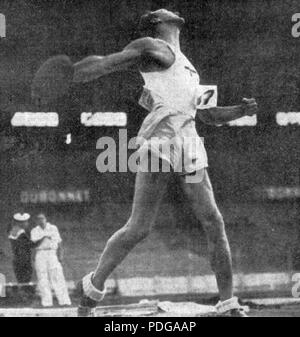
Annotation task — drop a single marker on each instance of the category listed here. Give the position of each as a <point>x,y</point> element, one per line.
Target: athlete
<point>171,95</point>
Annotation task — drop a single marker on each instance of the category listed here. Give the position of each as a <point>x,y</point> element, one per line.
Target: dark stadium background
<point>245,48</point>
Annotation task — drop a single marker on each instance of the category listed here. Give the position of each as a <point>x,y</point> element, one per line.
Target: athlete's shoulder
<point>155,54</point>
<point>149,43</point>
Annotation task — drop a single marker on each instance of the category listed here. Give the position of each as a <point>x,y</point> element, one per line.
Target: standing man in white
<point>48,263</point>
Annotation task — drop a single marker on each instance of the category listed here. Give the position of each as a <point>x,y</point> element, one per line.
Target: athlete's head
<point>154,22</point>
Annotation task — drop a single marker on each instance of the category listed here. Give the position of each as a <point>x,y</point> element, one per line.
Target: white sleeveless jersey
<point>176,87</point>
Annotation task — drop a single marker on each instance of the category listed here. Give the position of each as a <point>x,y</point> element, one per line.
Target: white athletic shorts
<point>171,136</point>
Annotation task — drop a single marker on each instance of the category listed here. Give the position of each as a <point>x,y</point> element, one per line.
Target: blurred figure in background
<point>49,254</point>
<point>19,236</point>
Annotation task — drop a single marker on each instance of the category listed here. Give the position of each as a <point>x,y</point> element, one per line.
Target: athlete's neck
<point>171,36</point>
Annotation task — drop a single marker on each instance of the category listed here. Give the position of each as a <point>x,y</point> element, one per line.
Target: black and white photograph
<point>150,161</point>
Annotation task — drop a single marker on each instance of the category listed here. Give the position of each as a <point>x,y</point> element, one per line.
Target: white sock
<point>90,290</point>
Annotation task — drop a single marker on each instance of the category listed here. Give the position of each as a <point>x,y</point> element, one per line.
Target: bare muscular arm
<point>144,53</point>
<point>223,115</point>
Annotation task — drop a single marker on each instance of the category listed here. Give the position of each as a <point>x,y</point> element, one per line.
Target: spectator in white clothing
<point>48,266</point>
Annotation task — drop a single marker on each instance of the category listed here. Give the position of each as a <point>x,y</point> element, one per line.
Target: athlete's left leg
<point>201,197</point>
<point>200,194</point>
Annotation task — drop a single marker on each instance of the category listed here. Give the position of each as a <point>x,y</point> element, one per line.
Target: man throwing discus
<point>171,95</point>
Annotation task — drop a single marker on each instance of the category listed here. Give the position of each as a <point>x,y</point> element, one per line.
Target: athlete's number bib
<point>207,96</point>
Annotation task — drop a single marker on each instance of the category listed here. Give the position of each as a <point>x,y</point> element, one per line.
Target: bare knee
<point>132,233</point>
<point>213,218</point>
<point>137,234</point>
<point>213,224</point>
<point>218,243</point>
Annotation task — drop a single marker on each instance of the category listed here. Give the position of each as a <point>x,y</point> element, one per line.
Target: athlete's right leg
<point>149,190</point>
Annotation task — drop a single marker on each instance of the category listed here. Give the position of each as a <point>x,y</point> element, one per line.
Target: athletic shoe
<point>87,306</point>
<point>90,296</point>
<point>231,308</point>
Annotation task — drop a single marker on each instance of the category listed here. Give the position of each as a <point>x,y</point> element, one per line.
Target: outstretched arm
<point>223,115</point>
<point>142,53</point>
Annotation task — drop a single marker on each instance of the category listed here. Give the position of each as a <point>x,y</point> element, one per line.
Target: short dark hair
<point>149,20</point>
<point>41,214</point>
